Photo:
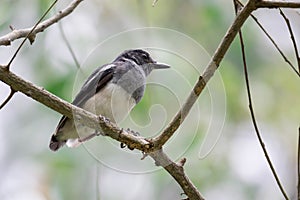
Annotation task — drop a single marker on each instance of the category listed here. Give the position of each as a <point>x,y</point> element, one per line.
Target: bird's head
<point>142,59</point>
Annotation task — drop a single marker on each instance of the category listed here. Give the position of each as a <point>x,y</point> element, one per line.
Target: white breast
<point>112,102</point>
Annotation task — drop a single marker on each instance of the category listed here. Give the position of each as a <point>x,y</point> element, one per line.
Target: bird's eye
<point>145,56</point>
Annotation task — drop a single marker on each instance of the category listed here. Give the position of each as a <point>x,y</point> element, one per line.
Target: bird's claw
<point>135,133</point>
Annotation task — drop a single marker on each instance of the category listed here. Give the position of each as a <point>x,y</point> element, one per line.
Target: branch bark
<point>277,4</point>
<point>177,172</point>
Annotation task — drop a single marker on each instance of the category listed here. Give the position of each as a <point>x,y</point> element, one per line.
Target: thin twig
<point>11,94</point>
<point>253,115</point>
<point>160,140</point>
<point>277,4</point>
<point>22,33</point>
<point>29,36</point>
<point>287,21</point>
<point>274,43</point>
<point>65,39</point>
<point>258,134</point>
<point>298,163</point>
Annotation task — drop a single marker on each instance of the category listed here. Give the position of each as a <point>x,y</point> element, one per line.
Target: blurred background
<point>224,159</point>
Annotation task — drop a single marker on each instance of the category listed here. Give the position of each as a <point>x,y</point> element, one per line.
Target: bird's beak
<point>157,65</point>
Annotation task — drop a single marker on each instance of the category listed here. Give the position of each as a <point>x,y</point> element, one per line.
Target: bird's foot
<point>96,133</point>
<point>135,133</point>
<point>122,145</point>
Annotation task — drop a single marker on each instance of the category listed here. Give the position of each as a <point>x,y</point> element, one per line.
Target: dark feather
<point>98,78</point>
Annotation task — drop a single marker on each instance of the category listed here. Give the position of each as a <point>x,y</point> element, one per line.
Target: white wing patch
<point>107,67</point>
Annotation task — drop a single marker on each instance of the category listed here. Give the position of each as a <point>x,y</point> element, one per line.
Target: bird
<point>112,90</point>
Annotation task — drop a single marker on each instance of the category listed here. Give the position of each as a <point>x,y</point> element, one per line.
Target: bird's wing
<point>94,83</point>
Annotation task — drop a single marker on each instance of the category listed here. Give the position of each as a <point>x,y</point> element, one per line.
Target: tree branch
<point>236,5</point>
<point>277,4</point>
<point>30,35</point>
<point>261,142</point>
<point>214,63</point>
<point>65,39</point>
<point>288,24</point>
<point>11,94</point>
<point>22,33</point>
<point>177,172</point>
<point>273,42</point>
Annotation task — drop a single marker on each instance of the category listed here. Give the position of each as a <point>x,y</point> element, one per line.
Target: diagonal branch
<point>273,42</point>
<point>262,144</point>
<point>30,35</point>
<point>22,33</point>
<point>65,39</point>
<point>214,63</point>
<point>287,21</point>
<point>252,111</point>
<point>161,159</point>
<point>277,4</point>
<point>11,94</point>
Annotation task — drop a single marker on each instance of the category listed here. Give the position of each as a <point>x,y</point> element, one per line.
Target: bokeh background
<point>224,159</point>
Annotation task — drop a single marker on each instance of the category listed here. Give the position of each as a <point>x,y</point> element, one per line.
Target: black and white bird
<point>112,90</point>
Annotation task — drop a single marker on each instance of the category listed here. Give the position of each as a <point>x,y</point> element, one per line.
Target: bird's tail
<point>55,144</point>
